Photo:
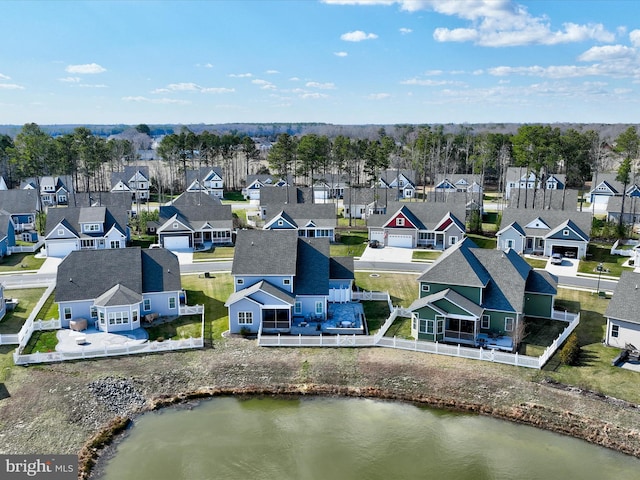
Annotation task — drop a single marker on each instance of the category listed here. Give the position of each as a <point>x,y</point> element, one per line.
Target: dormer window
<point>92,227</point>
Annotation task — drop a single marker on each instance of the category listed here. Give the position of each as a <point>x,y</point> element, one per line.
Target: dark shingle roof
<point>451,296</point>
<point>553,218</point>
<point>625,303</point>
<point>457,266</point>
<point>312,269</point>
<point>265,252</point>
<point>88,274</point>
<point>428,214</point>
<point>218,216</point>
<point>323,215</point>
<point>566,199</point>
<point>73,216</point>
<point>341,268</point>
<point>19,201</point>
<point>101,199</point>
<point>195,199</point>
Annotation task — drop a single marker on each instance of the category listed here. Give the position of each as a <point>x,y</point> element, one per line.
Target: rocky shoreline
<point>81,407</point>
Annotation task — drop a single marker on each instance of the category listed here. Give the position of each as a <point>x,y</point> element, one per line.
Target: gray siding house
<point>623,312</point>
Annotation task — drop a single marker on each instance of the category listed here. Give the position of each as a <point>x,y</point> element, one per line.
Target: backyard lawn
<point>376,314</point>
<point>403,287</point>
<point>425,254</point>
<point>352,244</point>
<point>212,293</point>
<point>20,262</point>
<point>27,298</point>
<point>482,241</point>
<point>536,262</point>
<point>182,327</point>
<point>598,253</point>
<point>215,253</point>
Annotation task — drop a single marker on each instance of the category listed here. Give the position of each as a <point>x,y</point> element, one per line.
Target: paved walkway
<point>387,254</point>
<point>50,265</point>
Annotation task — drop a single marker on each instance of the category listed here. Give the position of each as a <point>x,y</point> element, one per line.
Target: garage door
<point>405,241</point>
<point>60,249</point>
<point>176,243</point>
<point>569,252</point>
<point>377,236</point>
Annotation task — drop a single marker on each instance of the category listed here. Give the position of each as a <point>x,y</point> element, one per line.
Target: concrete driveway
<point>185,257</point>
<point>387,254</point>
<point>569,267</point>
<point>50,265</point>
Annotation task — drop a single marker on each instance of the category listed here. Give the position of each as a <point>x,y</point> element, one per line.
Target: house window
<point>509,243</point>
<point>94,312</point>
<point>280,223</point>
<point>430,327</point>
<point>297,308</point>
<point>453,240</point>
<point>508,324</point>
<point>423,326</point>
<point>175,225</point>
<point>114,244</point>
<point>146,304</point>
<point>118,318</point>
<point>400,222</point>
<point>60,232</point>
<point>486,322</point>
<point>134,316</point>
<point>440,325</point>
<point>172,303</point>
<point>615,331</point>
<point>239,281</point>
<point>425,287</point>
<point>67,313</point>
<point>565,233</point>
<point>101,318</point>
<point>87,243</point>
<point>286,281</point>
<point>319,308</point>
<point>245,318</point>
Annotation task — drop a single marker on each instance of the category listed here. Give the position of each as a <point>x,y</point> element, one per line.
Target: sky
<point>330,61</point>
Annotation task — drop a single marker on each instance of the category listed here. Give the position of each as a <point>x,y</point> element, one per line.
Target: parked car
<point>556,259</point>
<point>375,244</point>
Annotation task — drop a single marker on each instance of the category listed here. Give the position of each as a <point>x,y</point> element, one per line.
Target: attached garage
<point>403,241</point>
<point>569,252</point>
<point>60,249</point>
<point>377,235</point>
<point>180,242</point>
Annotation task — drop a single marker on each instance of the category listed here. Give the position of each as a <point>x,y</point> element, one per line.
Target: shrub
<point>245,332</point>
<point>570,352</point>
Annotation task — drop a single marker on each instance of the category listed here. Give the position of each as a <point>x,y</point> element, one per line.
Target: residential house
<point>330,186</point>
<point>254,184</point>
<point>309,220</point>
<point>7,234</point>
<point>23,207</point>
<point>480,297</point>
<point>623,317</point>
<point>206,179</point>
<point>3,305</point>
<point>54,190</point>
<point>134,180</point>
<point>631,206</point>
<point>605,186</point>
<point>115,289</point>
<point>85,228</point>
<point>518,178</point>
<point>364,202</point>
<point>457,182</point>
<point>194,220</point>
<point>544,232</point>
<point>565,199</point>
<point>419,224</point>
<point>400,180</point>
<point>119,200</point>
<point>277,197</point>
<point>283,281</point>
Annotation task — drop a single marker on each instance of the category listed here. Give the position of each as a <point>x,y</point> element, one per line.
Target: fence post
<point>299,339</point>
<point>459,351</point>
<point>516,359</point>
<point>394,341</point>
<point>437,346</point>
<point>278,338</point>
<point>415,344</point>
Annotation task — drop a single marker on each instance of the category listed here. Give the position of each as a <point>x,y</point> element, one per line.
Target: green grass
<point>41,341</point>
<point>215,253</point>
<point>20,262</point>
<point>400,328</point>
<point>402,287</point>
<point>50,309</point>
<point>539,334</point>
<point>27,297</point>
<point>425,255</point>
<point>212,293</point>
<point>612,264</point>
<point>483,242</point>
<point>536,262</point>
<point>376,314</point>
<point>355,222</point>
<point>234,197</point>
<point>352,244</point>
<point>594,371</point>
<point>143,241</point>
<point>182,327</point>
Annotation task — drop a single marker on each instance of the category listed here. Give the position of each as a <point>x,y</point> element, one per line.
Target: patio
<point>502,342</point>
<point>343,319</point>
<point>71,341</point>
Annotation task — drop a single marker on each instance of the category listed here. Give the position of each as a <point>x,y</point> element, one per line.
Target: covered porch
<point>534,245</point>
<point>461,330</point>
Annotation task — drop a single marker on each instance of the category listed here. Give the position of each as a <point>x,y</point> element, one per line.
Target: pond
<point>336,438</point>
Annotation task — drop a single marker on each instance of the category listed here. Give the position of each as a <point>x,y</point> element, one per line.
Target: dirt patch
<point>59,408</point>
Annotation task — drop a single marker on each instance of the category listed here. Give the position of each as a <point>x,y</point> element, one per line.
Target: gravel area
<point>56,408</point>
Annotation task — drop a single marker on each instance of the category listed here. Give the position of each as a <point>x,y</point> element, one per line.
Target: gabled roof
<point>285,218</point>
<point>203,174</point>
<point>278,196</point>
<point>265,252</point>
<point>614,205</point>
<point>195,217</point>
<point>458,266</point>
<point>90,274</point>
<point>312,269</point>
<point>515,226</point>
<point>130,173</point>
<point>452,297</point>
<point>121,200</point>
<point>118,295</point>
<point>323,215</point>
<point>428,214</point>
<point>544,199</point>
<point>390,175</point>
<point>341,268</point>
<point>575,233</point>
<point>553,218</point>
<point>261,286</point>
<point>195,199</point>
<point>73,217</point>
<point>625,303</point>
<point>19,201</point>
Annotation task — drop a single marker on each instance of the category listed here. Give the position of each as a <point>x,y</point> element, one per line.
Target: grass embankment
<point>599,253</point>
<point>425,254</point>
<point>212,293</point>
<point>20,262</point>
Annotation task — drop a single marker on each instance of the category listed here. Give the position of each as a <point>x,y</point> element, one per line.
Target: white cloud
<point>264,84</point>
<point>217,90</point>
<point>357,36</point>
<point>321,86</point>
<point>607,52</point>
<point>191,87</point>
<point>272,72</point>
<point>10,86</point>
<point>70,79</point>
<point>294,79</point>
<point>495,23</point>
<point>314,95</point>
<point>378,96</point>
<point>241,75</point>
<point>430,73</point>
<point>160,101</point>
<point>340,54</point>
<point>4,77</point>
<point>204,65</point>
<point>85,69</point>
<point>634,36</point>
<point>90,85</point>
<point>184,87</point>
<point>429,83</point>
<point>405,31</point>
